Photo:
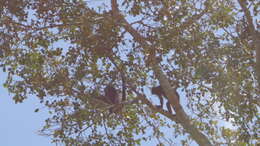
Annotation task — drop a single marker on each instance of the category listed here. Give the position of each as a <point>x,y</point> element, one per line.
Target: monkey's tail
<point>123,78</point>
<point>123,86</point>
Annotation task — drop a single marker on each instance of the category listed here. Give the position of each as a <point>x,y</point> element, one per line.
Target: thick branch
<point>254,33</point>
<point>30,27</point>
<point>200,138</point>
<point>247,14</point>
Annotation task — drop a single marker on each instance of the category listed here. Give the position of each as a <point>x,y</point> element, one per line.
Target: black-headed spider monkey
<point>161,94</point>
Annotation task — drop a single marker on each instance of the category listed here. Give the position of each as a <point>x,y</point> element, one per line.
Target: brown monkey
<point>111,94</point>
<point>161,94</point>
<point>112,97</point>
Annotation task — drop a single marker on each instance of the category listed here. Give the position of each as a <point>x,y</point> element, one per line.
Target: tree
<point>66,52</point>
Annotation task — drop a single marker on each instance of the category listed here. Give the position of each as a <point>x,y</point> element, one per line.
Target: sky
<point>19,123</point>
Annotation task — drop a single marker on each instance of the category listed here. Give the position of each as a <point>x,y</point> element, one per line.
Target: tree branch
<point>253,32</point>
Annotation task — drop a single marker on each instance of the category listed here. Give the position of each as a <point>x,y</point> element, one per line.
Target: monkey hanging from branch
<point>111,96</point>
<point>111,92</point>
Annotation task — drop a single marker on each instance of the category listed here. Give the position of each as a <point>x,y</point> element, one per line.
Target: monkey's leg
<point>169,107</point>
<point>161,102</point>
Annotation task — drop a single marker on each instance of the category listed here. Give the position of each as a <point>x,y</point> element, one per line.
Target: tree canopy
<point>67,51</point>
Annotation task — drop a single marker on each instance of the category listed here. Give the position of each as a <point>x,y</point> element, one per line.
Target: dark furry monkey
<point>161,94</point>
<point>111,94</point>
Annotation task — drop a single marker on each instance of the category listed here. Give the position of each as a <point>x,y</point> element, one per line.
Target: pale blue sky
<point>19,123</point>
